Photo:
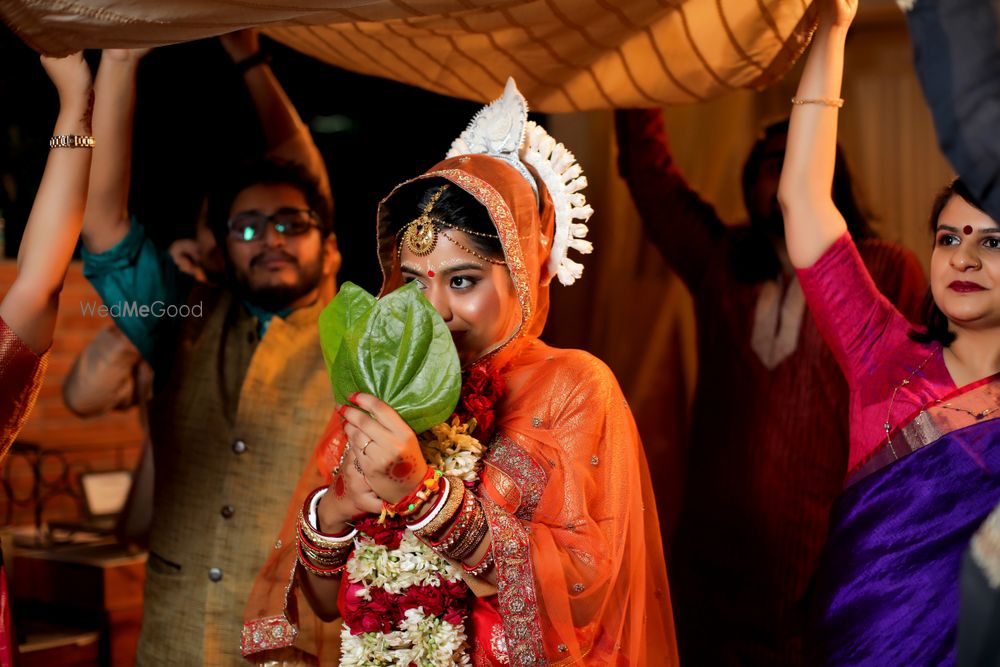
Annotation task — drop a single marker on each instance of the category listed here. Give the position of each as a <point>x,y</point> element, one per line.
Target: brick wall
<point>102,443</point>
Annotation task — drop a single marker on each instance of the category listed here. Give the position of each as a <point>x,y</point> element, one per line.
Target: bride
<point>547,550</point>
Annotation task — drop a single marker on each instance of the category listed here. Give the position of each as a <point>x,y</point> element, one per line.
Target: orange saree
<point>565,486</point>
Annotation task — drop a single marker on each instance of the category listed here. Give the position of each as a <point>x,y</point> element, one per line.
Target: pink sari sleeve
<point>21,373</point>
<point>576,540</point>
<point>857,321</point>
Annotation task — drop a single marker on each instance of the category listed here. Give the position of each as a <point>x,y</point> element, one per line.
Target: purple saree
<point>888,592</point>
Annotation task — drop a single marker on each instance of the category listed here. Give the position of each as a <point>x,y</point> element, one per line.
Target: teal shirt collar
<point>264,316</point>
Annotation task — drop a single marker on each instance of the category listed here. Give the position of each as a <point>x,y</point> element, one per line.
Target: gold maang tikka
<point>421,234</point>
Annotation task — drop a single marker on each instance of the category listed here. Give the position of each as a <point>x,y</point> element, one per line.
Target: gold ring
<point>364,449</point>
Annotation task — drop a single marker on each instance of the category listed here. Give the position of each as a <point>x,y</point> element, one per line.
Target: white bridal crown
<point>502,130</point>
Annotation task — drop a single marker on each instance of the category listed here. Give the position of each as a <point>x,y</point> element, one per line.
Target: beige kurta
<point>232,430</point>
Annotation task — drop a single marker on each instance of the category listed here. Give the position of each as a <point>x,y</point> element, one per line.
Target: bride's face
<point>476,298</point>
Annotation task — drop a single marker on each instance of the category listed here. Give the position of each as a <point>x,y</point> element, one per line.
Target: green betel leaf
<point>398,349</point>
<point>351,305</point>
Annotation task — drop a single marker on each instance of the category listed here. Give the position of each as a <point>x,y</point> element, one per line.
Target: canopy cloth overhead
<point>566,55</point>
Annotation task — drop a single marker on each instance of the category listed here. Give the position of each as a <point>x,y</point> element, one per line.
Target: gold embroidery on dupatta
<point>516,595</point>
<point>264,634</point>
<point>520,470</point>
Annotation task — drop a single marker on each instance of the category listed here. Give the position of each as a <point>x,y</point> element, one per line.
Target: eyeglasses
<point>250,225</point>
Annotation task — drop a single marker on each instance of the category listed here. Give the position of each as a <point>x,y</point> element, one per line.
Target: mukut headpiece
<point>502,130</point>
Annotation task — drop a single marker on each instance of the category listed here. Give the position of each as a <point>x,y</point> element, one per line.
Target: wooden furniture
<point>92,586</point>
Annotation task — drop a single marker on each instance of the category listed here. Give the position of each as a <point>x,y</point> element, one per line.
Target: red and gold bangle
<point>457,526</point>
<point>308,526</point>
<point>449,508</point>
<point>473,535</point>
<point>324,570</point>
<point>483,566</point>
<point>320,552</point>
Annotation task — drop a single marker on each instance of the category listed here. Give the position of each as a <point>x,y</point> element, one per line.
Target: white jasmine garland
<point>412,564</point>
<point>427,641</point>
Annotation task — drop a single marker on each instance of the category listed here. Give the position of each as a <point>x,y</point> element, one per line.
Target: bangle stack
<point>320,553</point>
<point>468,528</point>
<point>443,512</point>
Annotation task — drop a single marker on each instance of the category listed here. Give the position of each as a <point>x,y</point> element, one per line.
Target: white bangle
<point>445,490</point>
<point>314,522</point>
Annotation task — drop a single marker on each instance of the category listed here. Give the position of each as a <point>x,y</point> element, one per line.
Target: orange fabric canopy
<point>566,55</point>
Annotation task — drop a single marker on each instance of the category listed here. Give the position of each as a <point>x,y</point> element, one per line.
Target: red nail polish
<point>341,410</point>
<point>353,398</point>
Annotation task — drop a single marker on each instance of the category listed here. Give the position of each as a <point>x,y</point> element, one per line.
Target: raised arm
<point>53,227</point>
<point>812,221</point>
<point>107,221</point>
<point>681,224</point>
<point>286,135</point>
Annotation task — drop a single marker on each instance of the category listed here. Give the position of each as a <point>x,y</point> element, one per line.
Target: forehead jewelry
<point>968,230</point>
<point>470,250</point>
<point>420,235</point>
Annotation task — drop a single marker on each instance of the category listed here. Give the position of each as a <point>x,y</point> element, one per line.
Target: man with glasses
<point>241,394</point>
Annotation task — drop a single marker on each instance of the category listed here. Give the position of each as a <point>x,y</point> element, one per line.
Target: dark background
<point>194,118</point>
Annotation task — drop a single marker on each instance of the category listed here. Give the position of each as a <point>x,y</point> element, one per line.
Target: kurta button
<point>215,574</point>
<point>228,511</point>
<point>239,447</point>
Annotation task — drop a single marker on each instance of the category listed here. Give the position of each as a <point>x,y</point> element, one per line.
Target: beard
<point>274,298</point>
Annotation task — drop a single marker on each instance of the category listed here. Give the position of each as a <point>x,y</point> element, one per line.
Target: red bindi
<point>402,470</point>
<point>967,229</point>
<point>430,274</point>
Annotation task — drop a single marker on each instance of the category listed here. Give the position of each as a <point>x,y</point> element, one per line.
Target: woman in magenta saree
<point>28,311</point>
<point>924,462</point>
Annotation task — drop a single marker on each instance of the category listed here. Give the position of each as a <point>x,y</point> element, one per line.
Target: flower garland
<point>402,603</point>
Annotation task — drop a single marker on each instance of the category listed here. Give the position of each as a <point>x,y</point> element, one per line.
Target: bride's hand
<point>348,498</point>
<point>386,447</point>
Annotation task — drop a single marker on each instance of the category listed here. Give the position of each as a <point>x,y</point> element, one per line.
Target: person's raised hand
<point>386,447</point>
<point>348,498</point>
<point>71,77</point>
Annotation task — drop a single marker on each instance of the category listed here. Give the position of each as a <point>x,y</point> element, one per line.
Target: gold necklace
<point>888,415</point>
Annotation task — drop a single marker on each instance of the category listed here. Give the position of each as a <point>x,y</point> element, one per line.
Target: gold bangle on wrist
<point>456,494</point>
<point>71,141</point>
<point>823,101</point>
